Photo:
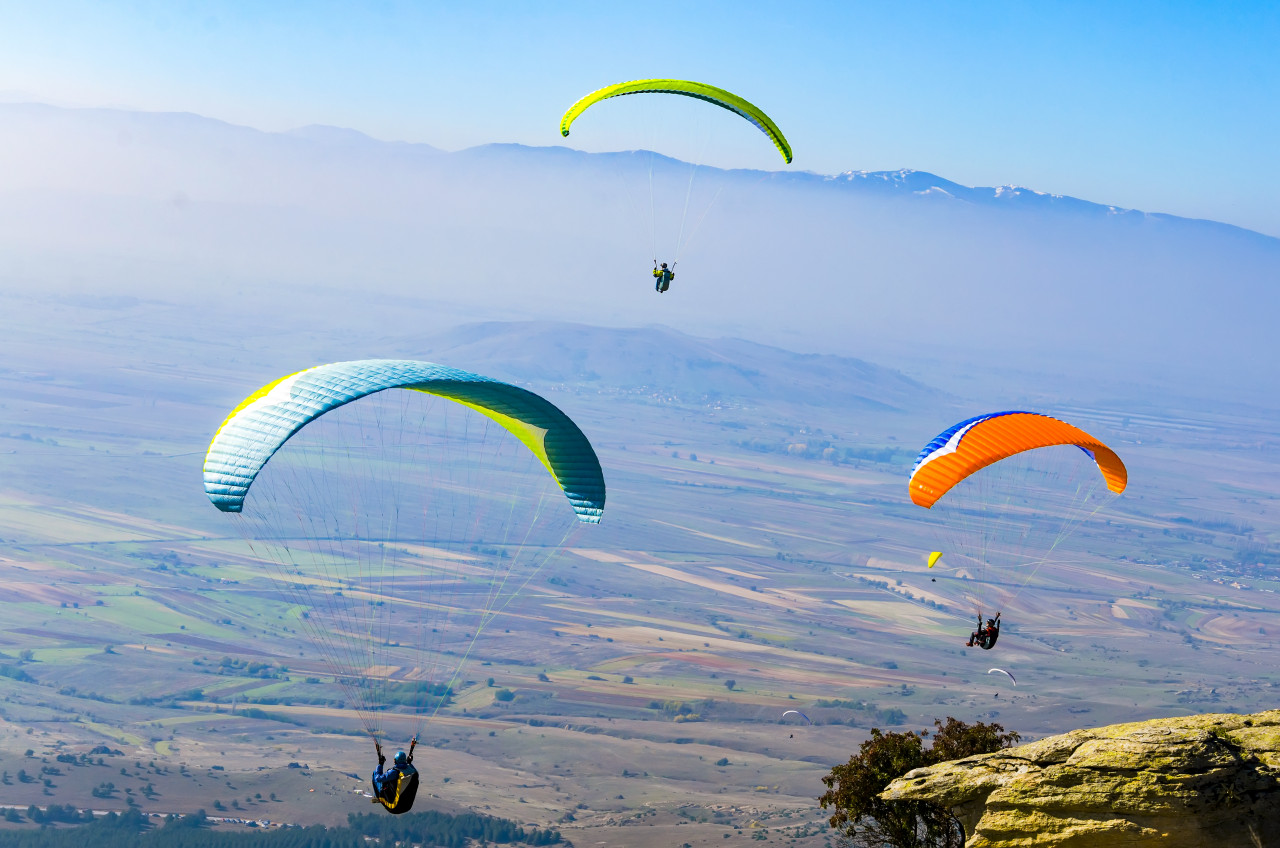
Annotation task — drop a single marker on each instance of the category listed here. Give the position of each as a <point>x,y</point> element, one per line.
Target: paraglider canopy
<point>799,714</point>
<point>265,420</point>
<point>1004,492</point>
<point>664,176</point>
<point>974,444</point>
<point>700,90</point>
<point>1005,673</point>
<point>400,507</point>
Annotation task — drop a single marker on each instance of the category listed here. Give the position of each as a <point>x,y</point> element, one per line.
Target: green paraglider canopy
<point>700,90</point>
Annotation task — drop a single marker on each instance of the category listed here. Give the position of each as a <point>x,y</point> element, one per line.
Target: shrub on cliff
<point>853,789</point>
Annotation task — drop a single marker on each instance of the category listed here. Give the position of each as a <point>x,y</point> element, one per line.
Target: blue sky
<point>1171,107</point>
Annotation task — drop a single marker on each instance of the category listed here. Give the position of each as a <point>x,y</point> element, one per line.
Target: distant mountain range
<point>872,265</point>
<point>93,133</point>
<point>902,183</point>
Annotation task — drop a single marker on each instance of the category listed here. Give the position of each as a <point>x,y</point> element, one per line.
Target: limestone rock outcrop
<point>1207,780</point>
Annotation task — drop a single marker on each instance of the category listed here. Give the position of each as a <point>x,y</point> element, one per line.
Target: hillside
<point>659,361</point>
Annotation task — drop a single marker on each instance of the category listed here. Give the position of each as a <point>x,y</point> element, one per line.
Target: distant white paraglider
<point>807,720</point>
<point>1005,673</point>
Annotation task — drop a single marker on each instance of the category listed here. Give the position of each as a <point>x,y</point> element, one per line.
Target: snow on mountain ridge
<point>925,184</point>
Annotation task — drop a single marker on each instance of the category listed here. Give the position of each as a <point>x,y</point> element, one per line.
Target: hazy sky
<point>1171,107</point>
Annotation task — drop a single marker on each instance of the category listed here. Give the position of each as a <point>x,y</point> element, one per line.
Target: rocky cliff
<point>1208,780</point>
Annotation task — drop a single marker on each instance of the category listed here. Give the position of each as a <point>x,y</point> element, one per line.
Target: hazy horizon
<point>192,210</point>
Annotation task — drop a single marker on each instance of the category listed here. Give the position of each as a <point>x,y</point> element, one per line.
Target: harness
<point>400,796</point>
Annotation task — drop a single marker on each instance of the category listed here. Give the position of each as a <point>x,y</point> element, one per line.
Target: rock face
<point>1208,780</point>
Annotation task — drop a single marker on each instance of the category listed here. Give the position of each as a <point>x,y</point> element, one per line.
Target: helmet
<point>402,758</point>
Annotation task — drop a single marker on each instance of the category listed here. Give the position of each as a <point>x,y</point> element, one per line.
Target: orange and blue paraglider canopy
<point>974,444</point>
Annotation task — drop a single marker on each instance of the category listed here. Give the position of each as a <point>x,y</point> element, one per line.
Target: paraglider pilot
<point>663,277</point>
<point>396,787</point>
<point>985,636</point>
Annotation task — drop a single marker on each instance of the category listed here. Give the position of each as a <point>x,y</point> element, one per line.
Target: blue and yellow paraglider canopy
<point>265,420</point>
